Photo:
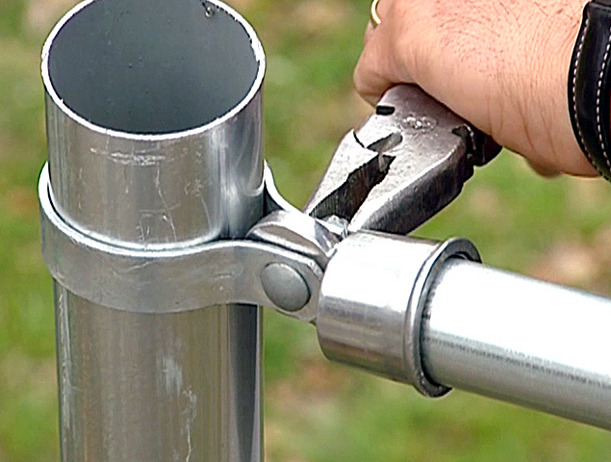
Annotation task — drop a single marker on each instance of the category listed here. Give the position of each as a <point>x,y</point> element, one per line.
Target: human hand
<point>503,65</point>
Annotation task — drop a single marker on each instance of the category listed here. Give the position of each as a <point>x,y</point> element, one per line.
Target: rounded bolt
<point>285,287</point>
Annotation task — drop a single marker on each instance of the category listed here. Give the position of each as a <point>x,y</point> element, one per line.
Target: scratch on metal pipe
<point>79,196</point>
<point>140,229</point>
<point>167,216</point>
<point>190,413</point>
<point>135,158</point>
<point>174,382</point>
<point>67,411</point>
<point>172,372</point>
<point>126,179</point>
<point>206,210</point>
<point>136,267</point>
<point>196,190</point>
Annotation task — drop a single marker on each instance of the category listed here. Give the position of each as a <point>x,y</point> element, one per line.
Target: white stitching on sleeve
<point>598,94</point>
<point>574,84</point>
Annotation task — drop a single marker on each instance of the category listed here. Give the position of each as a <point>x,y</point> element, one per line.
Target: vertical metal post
<point>154,139</point>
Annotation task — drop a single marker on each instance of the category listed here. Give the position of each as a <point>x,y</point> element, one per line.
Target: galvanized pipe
<point>154,139</point>
<point>520,340</point>
<point>428,314</point>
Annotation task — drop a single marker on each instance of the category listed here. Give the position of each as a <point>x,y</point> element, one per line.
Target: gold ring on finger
<point>375,18</point>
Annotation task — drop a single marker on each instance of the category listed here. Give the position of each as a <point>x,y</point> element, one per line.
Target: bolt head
<point>285,287</point>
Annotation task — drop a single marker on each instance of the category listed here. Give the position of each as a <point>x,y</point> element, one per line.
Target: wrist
<point>549,141</point>
<point>589,86</point>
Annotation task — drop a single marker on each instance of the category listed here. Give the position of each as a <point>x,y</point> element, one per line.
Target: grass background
<point>315,411</point>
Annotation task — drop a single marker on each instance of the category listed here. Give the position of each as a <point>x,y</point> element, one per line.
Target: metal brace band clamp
<point>178,279</point>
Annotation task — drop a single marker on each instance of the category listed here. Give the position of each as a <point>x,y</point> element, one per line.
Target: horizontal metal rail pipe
<point>430,315</point>
<point>519,340</point>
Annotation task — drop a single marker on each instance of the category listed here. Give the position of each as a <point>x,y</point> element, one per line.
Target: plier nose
<point>402,166</point>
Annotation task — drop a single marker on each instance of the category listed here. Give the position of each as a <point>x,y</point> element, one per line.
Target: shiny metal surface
<point>136,387</point>
<point>273,199</point>
<point>299,233</point>
<point>520,340</point>
<point>371,302</point>
<point>407,162</point>
<point>167,280</point>
<point>155,157</point>
<point>152,139</point>
<point>285,286</point>
<point>155,145</point>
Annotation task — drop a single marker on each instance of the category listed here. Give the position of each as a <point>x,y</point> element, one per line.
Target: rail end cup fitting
<point>372,301</point>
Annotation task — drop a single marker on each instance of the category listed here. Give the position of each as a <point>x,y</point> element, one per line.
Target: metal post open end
<point>149,67</point>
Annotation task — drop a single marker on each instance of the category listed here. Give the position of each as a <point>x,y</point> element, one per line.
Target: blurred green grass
<point>315,411</point>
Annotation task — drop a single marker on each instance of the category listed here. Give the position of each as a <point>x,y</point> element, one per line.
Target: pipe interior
<point>152,66</point>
